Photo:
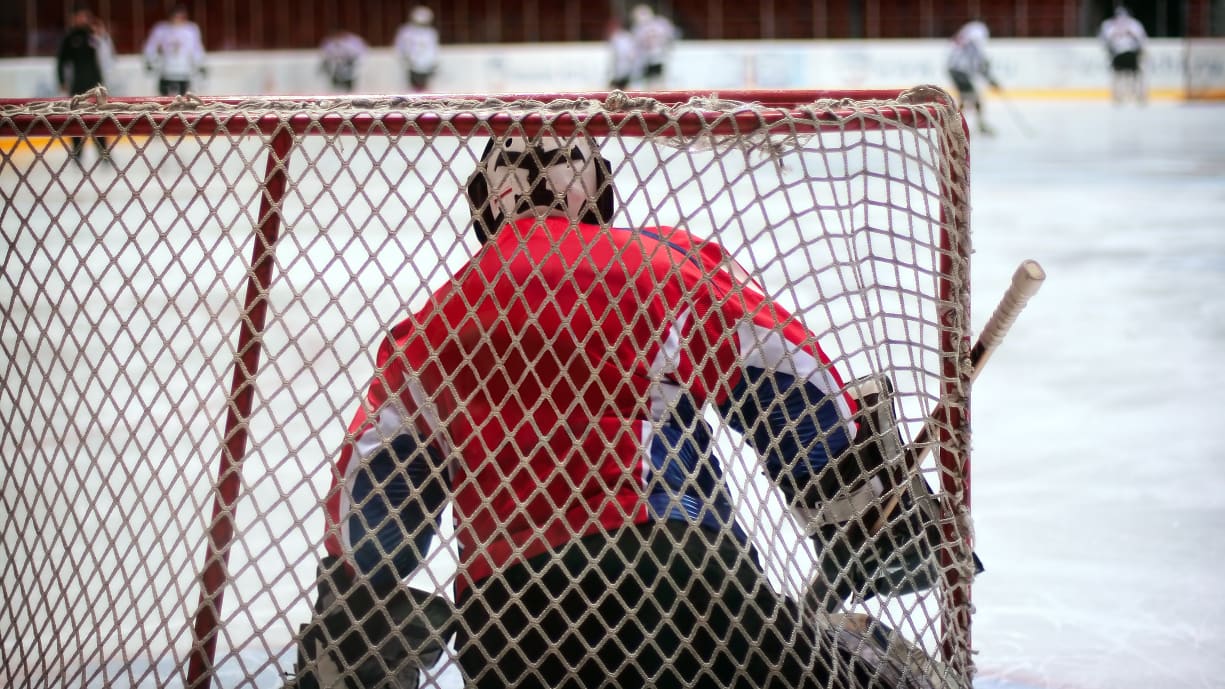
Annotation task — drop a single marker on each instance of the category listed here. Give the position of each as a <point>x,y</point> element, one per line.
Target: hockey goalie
<point>552,393</point>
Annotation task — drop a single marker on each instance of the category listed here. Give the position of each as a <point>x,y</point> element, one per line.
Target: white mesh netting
<point>191,320</point>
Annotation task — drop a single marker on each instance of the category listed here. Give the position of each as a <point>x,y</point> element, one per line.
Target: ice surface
<point>1099,463</point>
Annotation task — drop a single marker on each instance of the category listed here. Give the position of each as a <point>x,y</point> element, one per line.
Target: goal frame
<point>283,119</point>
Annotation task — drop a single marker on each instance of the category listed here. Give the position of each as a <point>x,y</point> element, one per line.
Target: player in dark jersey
<point>78,67</point>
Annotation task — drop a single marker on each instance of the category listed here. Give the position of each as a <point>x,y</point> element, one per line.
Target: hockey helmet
<point>641,14</point>
<point>546,175</point>
<point>421,15</point>
<point>974,32</point>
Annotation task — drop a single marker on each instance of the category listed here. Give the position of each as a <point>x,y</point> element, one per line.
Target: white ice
<point>1099,461</point>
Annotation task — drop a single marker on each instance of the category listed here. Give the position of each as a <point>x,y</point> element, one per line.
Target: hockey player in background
<point>175,52</point>
<point>623,55</point>
<point>553,393</point>
<point>85,53</point>
<point>417,48</point>
<point>1124,38</point>
<point>967,65</point>
<point>343,52</point>
<point>654,34</point>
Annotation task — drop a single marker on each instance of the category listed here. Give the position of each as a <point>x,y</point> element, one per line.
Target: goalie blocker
<point>360,636</point>
<point>842,511</point>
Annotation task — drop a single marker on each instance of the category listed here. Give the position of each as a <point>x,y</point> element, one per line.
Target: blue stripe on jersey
<point>685,478</point>
<point>687,253</point>
<point>793,425</point>
<point>398,494</point>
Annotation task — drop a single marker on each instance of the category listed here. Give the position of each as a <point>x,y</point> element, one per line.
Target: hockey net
<point>189,324</point>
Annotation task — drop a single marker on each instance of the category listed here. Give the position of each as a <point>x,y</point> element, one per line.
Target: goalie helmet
<point>543,176</point>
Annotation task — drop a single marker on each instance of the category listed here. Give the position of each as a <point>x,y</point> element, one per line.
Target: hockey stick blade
<point>1026,281</point>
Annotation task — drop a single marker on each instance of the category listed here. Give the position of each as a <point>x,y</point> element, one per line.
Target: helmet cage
<point>519,178</point>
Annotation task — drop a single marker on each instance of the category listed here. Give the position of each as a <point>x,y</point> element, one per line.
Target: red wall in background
<point>34,27</point>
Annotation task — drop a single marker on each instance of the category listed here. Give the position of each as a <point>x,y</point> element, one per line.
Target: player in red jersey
<point>553,393</point>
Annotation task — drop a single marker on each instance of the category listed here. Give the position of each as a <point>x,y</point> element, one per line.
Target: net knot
<point>97,94</point>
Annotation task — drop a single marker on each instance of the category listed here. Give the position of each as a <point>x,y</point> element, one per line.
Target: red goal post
<point>189,324</point>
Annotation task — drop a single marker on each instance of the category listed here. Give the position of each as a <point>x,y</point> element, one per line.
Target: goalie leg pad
<point>359,638</point>
<point>879,657</point>
<point>850,494</point>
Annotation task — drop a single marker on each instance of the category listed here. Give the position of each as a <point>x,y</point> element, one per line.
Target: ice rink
<point>1099,463</point>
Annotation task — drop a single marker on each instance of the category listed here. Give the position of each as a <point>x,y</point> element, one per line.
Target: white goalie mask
<point>541,177</point>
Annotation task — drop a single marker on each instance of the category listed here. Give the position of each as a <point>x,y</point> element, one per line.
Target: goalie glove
<point>841,505</point>
<point>360,638</point>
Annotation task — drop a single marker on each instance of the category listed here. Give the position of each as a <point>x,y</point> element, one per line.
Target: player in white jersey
<point>623,55</point>
<point>654,35</point>
<point>968,64</point>
<point>342,52</point>
<point>175,51</point>
<point>417,47</point>
<point>1124,38</point>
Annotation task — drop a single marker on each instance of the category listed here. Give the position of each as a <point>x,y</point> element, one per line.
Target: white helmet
<point>974,32</point>
<point>544,176</point>
<point>421,15</point>
<point>641,14</point>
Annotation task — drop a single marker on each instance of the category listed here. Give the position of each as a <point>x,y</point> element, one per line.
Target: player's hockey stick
<point>1025,283</point>
<point>1015,113</point>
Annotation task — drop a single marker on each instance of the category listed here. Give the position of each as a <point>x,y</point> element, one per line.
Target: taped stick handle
<point>1026,281</point>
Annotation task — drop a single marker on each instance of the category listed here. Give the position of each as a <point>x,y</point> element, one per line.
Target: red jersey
<point>561,376</point>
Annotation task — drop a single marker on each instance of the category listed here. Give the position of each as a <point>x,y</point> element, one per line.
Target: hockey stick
<point>1011,107</point>
<point>1025,283</point>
